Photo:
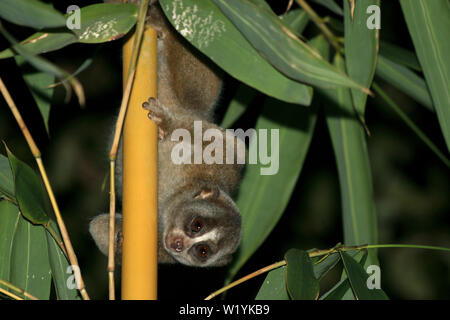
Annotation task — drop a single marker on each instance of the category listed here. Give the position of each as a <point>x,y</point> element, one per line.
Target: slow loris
<point>199,223</point>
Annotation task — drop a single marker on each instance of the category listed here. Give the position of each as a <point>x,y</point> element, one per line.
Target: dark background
<point>411,183</point>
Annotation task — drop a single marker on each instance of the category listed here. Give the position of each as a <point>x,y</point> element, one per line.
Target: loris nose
<point>177,244</point>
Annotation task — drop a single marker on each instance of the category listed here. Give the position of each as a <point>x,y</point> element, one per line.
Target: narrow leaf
<point>400,55</point>
<point>206,28</point>
<point>6,178</point>
<point>274,286</point>
<point>361,48</point>
<point>31,13</point>
<point>263,205</point>
<point>30,268</point>
<point>300,279</point>
<point>106,22</point>
<point>338,291</point>
<point>322,268</point>
<point>405,80</point>
<point>331,4</point>
<point>262,199</point>
<point>28,191</point>
<point>349,144</point>
<point>9,219</point>
<point>429,26</point>
<point>39,83</point>
<point>44,65</point>
<point>59,266</point>
<point>297,20</point>
<point>358,277</point>
<point>281,47</point>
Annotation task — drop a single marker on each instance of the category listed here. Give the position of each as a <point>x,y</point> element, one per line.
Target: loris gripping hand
<point>199,224</point>
<point>198,221</point>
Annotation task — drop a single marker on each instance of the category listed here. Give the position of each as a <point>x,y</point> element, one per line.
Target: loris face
<point>203,230</point>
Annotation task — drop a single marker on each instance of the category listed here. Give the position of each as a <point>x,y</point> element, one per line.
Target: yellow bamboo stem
<point>37,155</point>
<point>16,289</point>
<point>140,156</point>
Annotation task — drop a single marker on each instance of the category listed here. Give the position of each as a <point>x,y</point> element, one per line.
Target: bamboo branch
<point>9,294</point>
<point>37,155</point>
<point>319,22</point>
<point>16,289</point>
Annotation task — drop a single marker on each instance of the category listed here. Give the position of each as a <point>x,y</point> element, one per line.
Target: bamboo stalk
<point>37,155</point>
<point>16,289</point>
<point>130,65</point>
<point>140,156</point>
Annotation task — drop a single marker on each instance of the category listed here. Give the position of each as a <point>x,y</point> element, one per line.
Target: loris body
<point>199,224</point>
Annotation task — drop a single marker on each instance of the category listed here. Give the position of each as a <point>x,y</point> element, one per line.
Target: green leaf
<point>361,49</point>
<point>281,47</point>
<point>420,134</point>
<point>349,144</point>
<point>300,279</point>
<point>330,4</point>
<point>244,95</point>
<point>338,291</point>
<point>30,268</point>
<point>99,23</point>
<point>322,268</point>
<point>405,80</point>
<point>274,286</point>
<point>429,24</point>
<point>400,55</point>
<point>38,83</point>
<point>28,191</point>
<point>31,13</point>
<point>42,42</point>
<point>59,266</point>
<point>358,277</point>
<point>205,27</point>
<point>105,22</point>
<point>9,219</point>
<point>259,205</point>
<point>297,20</point>
<point>44,65</point>
<point>6,178</point>
<point>262,199</point>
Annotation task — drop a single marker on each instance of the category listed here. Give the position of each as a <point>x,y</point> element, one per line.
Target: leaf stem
<point>16,289</point>
<point>320,24</point>
<point>411,124</point>
<point>37,155</point>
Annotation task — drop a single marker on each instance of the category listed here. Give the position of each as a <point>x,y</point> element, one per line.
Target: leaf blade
<point>361,49</point>
<point>226,47</point>
<point>28,191</point>
<point>279,45</point>
<point>31,13</point>
<point>300,279</point>
<point>428,24</point>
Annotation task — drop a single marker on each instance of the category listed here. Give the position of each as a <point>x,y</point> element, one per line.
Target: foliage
<point>298,80</point>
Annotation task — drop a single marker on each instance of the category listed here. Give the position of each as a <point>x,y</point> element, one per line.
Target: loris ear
<point>208,193</point>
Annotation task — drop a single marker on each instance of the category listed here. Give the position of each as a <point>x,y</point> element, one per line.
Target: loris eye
<point>197,225</point>
<point>202,251</point>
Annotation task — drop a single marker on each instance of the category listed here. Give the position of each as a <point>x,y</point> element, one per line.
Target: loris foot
<point>160,115</point>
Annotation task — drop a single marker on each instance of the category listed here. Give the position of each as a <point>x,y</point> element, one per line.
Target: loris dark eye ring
<point>202,250</point>
<point>197,225</point>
